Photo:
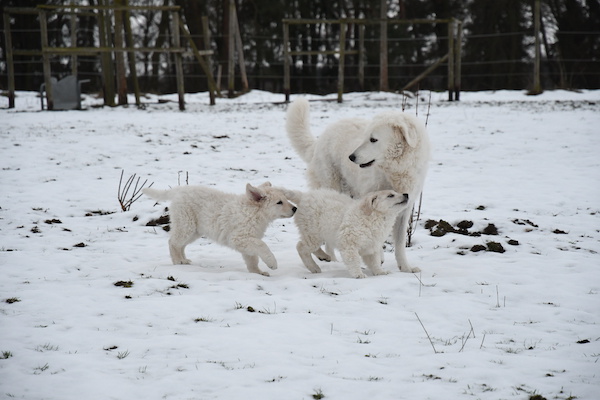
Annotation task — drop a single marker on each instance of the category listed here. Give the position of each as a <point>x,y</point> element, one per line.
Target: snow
<point>481,325</point>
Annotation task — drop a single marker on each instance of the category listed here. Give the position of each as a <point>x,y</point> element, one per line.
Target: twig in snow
<point>126,200</point>
<point>427,333</point>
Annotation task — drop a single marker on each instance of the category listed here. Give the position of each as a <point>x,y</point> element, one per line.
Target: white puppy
<point>236,221</point>
<point>358,228</point>
<point>358,156</point>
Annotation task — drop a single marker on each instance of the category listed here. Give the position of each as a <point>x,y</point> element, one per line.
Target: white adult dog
<point>235,221</point>
<point>357,156</point>
<point>357,227</point>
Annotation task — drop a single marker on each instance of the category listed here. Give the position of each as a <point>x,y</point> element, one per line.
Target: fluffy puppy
<point>235,221</point>
<point>357,227</point>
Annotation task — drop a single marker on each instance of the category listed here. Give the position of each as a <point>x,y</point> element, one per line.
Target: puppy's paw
<point>263,273</point>
<point>314,270</point>
<point>324,257</point>
<point>185,261</point>
<point>360,275</point>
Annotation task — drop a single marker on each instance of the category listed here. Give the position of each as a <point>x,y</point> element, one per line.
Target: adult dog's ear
<point>254,193</point>
<point>266,184</point>
<point>368,204</point>
<point>408,132</point>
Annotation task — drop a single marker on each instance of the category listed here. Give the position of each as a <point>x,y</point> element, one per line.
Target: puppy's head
<point>384,201</point>
<point>271,200</point>
<point>388,135</point>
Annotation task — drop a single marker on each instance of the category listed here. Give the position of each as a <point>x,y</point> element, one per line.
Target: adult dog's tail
<point>298,129</point>
<point>157,194</point>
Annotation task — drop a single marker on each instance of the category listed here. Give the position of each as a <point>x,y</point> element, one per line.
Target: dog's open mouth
<point>367,164</point>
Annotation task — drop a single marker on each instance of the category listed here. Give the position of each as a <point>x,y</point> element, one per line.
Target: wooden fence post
<point>286,61</point>
<point>119,54</point>
<point>131,57</point>
<point>383,49</point>
<point>9,61</point>
<point>178,59</point>
<point>231,52</point>
<point>361,56</point>
<point>46,59</point>
<point>537,85</point>
<point>342,56</point>
<point>457,59</point>
<point>108,75</point>
<point>451,60</point>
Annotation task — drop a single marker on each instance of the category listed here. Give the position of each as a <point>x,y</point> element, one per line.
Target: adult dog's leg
<point>252,264</point>
<point>400,229</point>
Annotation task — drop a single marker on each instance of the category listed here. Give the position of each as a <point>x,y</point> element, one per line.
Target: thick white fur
<point>357,227</point>
<point>358,156</point>
<point>235,221</point>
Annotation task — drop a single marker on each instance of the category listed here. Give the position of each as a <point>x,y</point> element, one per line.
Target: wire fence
<point>476,74</point>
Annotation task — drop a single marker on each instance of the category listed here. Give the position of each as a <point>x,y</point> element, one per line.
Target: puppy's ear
<point>254,193</point>
<point>266,184</point>
<point>368,204</point>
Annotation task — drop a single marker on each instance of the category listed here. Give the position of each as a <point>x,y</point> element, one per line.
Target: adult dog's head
<point>388,137</point>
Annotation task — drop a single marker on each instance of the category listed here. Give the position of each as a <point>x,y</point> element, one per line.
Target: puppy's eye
<point>280,202</point>
<point>373,140</point>
<point>390,195</point>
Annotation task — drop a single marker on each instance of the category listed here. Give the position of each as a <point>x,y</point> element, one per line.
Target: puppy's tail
<point>298,129</point>
<point>157,194</point>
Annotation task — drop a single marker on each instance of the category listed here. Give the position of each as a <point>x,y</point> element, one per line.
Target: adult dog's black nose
<point>405,196</point>
<point>352,157</point>
<point>294,209</point>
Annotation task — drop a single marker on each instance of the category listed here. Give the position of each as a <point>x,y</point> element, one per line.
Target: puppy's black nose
<point>352,157</point>
<point>405,196</point>
<point>294,209</point>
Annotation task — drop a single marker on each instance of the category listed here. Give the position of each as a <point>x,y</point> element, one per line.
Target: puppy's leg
<point>330,250</point>
<point>400,241</point>
<point>352,260</point>
<point>177,243</point>
<point>252,264</point>
<point>321,255</point>
<point>305,252</point>
<point>373,261</point>
<point>255,247</point>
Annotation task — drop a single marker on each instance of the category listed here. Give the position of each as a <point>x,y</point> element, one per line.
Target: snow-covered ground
<point>481,325</point>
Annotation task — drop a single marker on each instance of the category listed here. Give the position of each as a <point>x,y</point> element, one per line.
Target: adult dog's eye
<point>373,140</point>
<point>390,195</point>
<point>280,202</point>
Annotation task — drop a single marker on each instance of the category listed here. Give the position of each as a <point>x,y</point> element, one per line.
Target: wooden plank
<point>204,64</point>
<point>209,71</point>
<point>240,52</point>
<point>426,72</point>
